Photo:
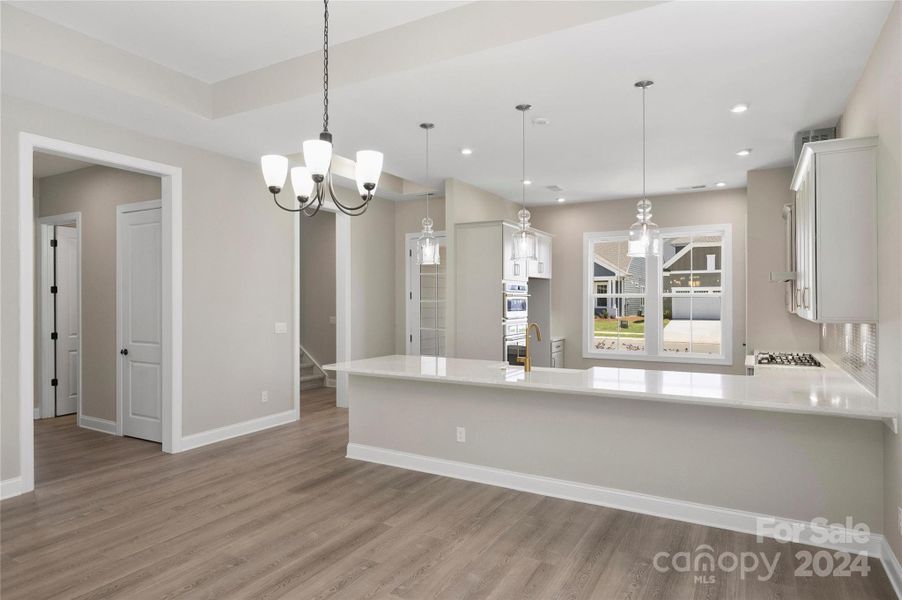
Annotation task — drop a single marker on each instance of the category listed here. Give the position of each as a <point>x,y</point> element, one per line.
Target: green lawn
<point>612,326</point>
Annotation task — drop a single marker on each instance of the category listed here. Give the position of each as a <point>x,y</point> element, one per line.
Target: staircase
<point>311,376</point>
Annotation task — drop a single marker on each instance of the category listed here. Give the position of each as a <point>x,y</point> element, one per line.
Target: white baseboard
<point>10,487</point>
<point>330,382</point>
<point>668,508</point>
<point>97,424</point>
<point>892,567</point>
<point>196,440</point>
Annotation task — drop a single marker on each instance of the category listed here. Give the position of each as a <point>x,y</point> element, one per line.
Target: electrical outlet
<point>331,320</point>
<point>280,328</point>
<point>461,434</point>
<point>264,396</point>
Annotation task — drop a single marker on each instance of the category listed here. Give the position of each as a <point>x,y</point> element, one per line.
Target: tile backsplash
<point>853,346</point>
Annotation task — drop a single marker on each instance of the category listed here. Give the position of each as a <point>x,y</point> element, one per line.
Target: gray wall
<point>373,281</point>
<point>794,466</point>
<point>95,192</point>
<point>408,219</point>
<point>237,276</point>
<point>317,270</point>
<point>568,223</point>
<point>874,109</point>
<point>769,325</point>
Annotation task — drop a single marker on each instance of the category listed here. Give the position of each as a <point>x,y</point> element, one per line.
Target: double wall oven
<point>515,319</point>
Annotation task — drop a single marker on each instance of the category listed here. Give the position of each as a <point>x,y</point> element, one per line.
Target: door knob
<point>124,352</point>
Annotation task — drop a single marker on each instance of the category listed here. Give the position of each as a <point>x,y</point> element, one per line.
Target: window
<point>673,308</point>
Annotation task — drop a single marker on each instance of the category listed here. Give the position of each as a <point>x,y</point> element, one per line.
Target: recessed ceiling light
<point>739,108</point>
<point>561,199</point>
<point>721,184</point>
<point>466,151</point>
<point>744,152</point>
<point>527,182</point>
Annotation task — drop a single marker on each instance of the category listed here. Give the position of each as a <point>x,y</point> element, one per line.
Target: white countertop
<point>827,391</point>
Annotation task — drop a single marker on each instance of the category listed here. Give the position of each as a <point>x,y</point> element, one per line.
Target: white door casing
<point>67,320</point>
<point>139,323</point>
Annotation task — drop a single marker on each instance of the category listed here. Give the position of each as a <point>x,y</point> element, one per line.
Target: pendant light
<point>525,243</point>
<point>427,245</point>
<point>645,236</point>
<point>312,182</point>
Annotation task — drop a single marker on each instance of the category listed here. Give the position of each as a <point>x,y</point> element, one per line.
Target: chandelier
<point>525,243</point>
<point>313,181</point>
<point>645,236</point>
<point>427,245</point>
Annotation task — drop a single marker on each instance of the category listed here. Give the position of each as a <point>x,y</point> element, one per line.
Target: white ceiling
<point>47,165</point>
<point>795,63</point>
<point>215,40</point>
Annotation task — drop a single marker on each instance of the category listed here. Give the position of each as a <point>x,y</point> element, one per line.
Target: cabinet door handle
<point>805,297</point>
<point>516,268</point>
<point>541,267</point>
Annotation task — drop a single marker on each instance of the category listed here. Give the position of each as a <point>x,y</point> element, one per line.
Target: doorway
<point>170,197</point>
<point>60,340</point>
<point>426,296</point>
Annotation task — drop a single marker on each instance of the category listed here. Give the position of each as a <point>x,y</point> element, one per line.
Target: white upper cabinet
<point>541,267</point>
<point>836,231</point>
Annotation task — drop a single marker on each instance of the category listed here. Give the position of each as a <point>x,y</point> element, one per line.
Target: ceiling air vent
<point>555,188</point>
<point>812,135</point>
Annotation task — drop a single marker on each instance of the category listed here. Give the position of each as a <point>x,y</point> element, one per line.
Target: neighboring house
<point>616,273</point>
<point>694,268</point>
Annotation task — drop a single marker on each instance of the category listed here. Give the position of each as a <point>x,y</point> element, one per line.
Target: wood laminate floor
<point>283,514</point>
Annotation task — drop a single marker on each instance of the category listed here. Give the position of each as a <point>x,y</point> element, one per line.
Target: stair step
<point>307,365</point>
<point>306,378</point>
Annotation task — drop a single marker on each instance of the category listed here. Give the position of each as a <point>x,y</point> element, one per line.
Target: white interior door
<point>140,261</point>
<point>67,320</point>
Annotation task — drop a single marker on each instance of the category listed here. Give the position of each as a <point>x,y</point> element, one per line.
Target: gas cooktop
<point>787,359</point>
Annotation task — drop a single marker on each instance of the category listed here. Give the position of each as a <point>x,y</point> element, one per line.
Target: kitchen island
<point>716,449</point>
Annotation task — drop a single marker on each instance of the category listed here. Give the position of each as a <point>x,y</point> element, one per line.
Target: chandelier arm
<point>350,210</point>
<point>313,208</point>
<point>285,208</point>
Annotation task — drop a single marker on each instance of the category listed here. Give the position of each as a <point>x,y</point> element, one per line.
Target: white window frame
<point>654,273</point>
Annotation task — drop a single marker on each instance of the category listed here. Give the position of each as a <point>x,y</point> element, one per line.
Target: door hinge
<point>54,382</point>
<point>53,289</point>
<point>411,295</point>
<point>53,243</point>
<point>53,335</point>
<point>411,338</point>
<point>410,253</point>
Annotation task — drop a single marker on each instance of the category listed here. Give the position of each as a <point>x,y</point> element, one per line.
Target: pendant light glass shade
<point>318,156</point>
<point>368,169</point>
<point>301,182</point>
<point>275,169</point>
<point>525,243</point>
<point>428,246</point>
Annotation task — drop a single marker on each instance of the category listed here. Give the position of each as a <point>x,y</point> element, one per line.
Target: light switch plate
<point>331,320</point>
<point>281,328</point>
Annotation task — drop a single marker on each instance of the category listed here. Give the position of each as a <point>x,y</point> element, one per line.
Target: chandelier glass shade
<point>312,184</point>
<point>644,234</point>
<point>524,242</point>
<point>427,245</point>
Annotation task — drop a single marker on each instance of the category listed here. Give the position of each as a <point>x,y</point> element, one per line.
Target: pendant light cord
<point>427,173</point>
<point>326,66</point>
<point>523,180</point>
<point>643,142</point>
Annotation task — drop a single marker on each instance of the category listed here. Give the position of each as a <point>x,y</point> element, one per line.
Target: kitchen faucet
<point>526,361</point>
